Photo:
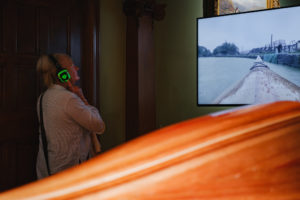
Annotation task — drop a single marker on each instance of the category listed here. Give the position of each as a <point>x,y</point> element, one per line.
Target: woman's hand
<point>78,92</point>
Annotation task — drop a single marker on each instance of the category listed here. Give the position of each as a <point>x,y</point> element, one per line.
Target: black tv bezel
<point>225,15</point>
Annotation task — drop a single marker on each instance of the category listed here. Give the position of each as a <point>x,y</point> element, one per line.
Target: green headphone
<point>62,73</point>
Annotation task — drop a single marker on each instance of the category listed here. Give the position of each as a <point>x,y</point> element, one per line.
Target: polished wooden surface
<point>249,153</point>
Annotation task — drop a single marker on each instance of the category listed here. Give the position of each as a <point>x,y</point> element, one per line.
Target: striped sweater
<point>68,123</point>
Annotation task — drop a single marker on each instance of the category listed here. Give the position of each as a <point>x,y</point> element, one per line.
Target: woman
<point>67,117</point>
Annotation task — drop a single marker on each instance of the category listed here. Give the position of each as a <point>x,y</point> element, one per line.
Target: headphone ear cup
<point>63,75</point>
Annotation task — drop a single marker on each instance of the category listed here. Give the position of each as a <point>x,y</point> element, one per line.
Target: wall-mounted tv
<point>249,58</point>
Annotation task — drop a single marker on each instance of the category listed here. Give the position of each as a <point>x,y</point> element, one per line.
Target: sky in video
<point>250,30</point>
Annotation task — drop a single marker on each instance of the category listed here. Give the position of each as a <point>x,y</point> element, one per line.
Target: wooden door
<point>29,28</point>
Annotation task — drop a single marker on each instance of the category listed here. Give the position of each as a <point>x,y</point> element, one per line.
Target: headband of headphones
<point>62,73</point>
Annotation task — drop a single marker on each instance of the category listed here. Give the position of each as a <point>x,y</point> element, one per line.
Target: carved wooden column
<point>140,74</point>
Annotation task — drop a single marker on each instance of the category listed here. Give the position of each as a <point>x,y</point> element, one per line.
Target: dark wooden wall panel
<point>1,27</point>
<point>59,34</point>
<point>8,164</point>
<point>44,30</point>
<point>26,31</point>
<point>10,88</point>
<point>1,85</point>
<point>27,84</point>
<point>25,169</point>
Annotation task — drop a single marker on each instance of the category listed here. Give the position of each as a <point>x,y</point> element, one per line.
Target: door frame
<point>90,51</point>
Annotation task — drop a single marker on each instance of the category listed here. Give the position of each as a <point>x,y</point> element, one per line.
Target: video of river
<point>217,74</point>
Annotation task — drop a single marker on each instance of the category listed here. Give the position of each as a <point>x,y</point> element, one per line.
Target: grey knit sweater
<point>68,123</point>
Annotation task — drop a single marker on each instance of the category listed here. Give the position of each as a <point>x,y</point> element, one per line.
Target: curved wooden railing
<point>250,153</point>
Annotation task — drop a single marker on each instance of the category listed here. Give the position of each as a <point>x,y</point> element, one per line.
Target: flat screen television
<point>249,58</point>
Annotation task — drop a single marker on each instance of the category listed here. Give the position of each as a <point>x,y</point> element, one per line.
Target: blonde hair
<point>46,68</point>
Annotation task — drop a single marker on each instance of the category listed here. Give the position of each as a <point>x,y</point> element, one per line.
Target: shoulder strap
<point>43,134</point>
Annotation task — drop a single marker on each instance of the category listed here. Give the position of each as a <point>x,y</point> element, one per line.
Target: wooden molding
<point>90,52</point>
<point>139,8</point>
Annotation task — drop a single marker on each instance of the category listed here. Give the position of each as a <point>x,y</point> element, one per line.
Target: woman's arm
<point>85,115</point>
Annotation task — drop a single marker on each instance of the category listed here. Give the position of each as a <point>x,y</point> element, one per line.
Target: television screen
<point>249,58</point>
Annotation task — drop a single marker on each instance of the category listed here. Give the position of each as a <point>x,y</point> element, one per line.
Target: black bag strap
<point>43,134</point>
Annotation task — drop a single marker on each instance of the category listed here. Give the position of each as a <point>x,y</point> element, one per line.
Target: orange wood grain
<point>249,153</point>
